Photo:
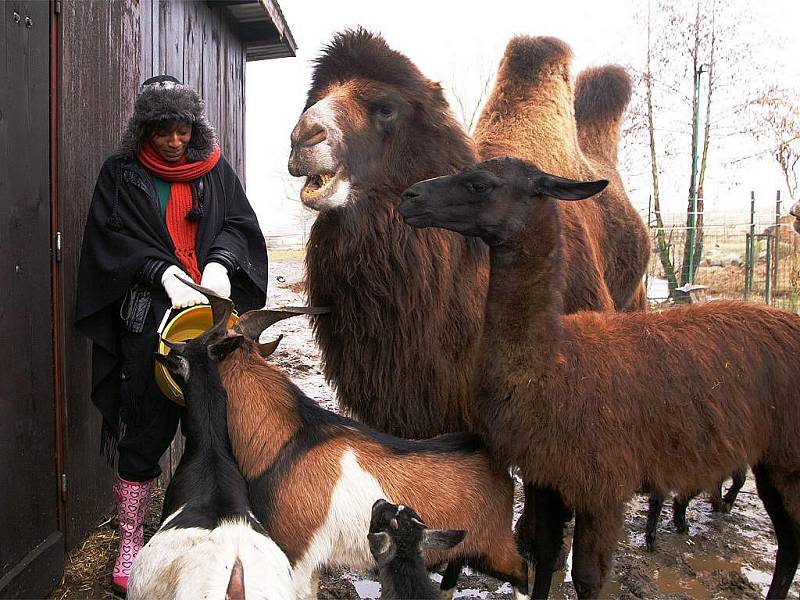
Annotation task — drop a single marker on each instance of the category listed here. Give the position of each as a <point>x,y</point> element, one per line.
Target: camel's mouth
<point>319,187</point>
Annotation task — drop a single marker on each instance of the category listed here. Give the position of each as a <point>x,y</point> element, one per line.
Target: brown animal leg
<point>717,504</point>
<point>655,505</point>
<point>739,477</point>
<point>504,563</point>
<point>550,516</point>
<point>526,531</point>
<point>596,536</point>
<point>787,530</point>
<point>450,578</point>
<point>638,301</point>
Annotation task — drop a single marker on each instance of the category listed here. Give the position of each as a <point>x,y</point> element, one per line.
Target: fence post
<point>768,271</point>
<point>777,245</point>
<point>747,267</point>
<point>752,244</point>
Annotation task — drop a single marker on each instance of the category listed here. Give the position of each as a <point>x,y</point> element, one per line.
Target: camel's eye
<point>386,111</point>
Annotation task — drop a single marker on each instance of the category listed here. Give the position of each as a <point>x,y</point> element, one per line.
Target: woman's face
<point>171,141</point>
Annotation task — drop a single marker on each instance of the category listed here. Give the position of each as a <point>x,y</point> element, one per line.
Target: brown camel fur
<point>598,405</point>
<point>530,114</point>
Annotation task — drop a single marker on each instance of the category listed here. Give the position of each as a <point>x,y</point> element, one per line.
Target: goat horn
<point>221,309</point>
<point>268,348</point>
<point>173,345</point>
<point>252,323</point>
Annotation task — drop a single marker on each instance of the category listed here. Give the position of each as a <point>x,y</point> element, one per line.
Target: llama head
<point>371,121</point>
<point>397,530</point>
<point>491,200</point>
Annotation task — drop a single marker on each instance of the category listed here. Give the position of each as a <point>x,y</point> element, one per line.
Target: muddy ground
<point>723,556</point>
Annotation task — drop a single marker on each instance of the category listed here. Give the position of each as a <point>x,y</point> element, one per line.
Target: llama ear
<point>566,189</point>
<point>441,539</point>
<point>267,349</point>
<point>381,546</point>
<point>221,349</point>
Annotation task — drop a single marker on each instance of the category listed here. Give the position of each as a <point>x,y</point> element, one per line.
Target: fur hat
<point>164,98</point>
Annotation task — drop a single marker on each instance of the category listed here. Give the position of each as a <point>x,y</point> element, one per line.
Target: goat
<point>209,545</point>
<point>681,502</point>
<point>397,536</point>
<point>572,400</point>
<point>313,475</point>
<point>532,113</point>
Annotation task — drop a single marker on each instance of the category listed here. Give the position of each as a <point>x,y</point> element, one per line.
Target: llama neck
<point>522,328</point>
<point>262,412</point>
<point>406,577</point>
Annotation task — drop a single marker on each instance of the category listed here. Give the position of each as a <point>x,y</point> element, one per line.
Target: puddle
<point>669,582</point>
<point>714,563</point>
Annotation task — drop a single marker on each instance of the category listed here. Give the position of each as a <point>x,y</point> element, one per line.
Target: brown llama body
<point>530,115</point>
<point>598,405</point>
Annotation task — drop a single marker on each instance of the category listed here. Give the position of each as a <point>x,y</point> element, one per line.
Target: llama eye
<point>477,187</point>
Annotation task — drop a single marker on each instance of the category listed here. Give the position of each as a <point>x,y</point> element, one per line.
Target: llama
<point>313,475</point>
<point>530,114</point>
<point>209,545</point>
<point>397,537</point>
<point>572,400</point>
<point>719,503</point>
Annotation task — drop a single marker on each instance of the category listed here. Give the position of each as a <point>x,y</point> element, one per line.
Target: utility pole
<point>693,190</point>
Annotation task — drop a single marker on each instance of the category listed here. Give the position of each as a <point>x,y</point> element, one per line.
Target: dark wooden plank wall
<point>107,51</point>
<point>98,80</point>
<point>31,547</point>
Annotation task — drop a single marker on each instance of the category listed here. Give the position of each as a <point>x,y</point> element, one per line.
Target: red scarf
<point>182,230</point>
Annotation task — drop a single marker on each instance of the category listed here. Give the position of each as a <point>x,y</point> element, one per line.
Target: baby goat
<point>681,502</point>
<point>313,475</point>
<point>596,406</point>
<point>209,545</point>
<point>397,538</point>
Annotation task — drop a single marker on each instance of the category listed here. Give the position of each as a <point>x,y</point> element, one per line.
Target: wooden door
<point>31,545</point>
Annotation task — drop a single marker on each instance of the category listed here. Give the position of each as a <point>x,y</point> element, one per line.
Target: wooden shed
<point>69,74</point>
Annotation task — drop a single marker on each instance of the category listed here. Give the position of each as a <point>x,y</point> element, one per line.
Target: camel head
<point>372,122</point>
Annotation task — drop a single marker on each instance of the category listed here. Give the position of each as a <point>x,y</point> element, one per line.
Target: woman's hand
<point>179,293</point>
<point>215,278</point>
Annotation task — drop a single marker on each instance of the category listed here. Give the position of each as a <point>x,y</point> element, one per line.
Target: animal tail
<point>601,97</point>
<point>235,589</point>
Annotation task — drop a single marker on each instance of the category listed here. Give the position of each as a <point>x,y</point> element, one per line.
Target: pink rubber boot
<point>132,500</point>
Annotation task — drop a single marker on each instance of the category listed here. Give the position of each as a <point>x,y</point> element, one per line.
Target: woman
<point>166,205</point>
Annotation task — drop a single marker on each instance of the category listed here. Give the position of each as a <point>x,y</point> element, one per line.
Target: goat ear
<point>441,539</point>
<point>175,364</point>
<point>221,349</point>
<point>566,189</point>
<point>267,349</point>
<point>381,546</point>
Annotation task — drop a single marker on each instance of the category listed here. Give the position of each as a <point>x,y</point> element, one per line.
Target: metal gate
<point>31,545</point>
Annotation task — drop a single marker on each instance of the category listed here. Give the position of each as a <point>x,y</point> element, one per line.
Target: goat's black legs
<point>450,578</point>
<point>655,505</point>
<point>787,530</point>
<point>549,516</point>
<point>596,536</point>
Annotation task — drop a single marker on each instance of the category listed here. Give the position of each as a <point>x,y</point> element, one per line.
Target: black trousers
<point>150,419</point>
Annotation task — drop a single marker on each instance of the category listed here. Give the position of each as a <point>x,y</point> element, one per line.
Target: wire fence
<point>755,259</point>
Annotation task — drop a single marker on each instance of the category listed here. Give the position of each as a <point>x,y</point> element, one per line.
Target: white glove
<point>215,278</point>
<point>180,293</point>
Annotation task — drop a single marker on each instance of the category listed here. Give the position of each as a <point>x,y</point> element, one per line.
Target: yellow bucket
<point>186,325</point>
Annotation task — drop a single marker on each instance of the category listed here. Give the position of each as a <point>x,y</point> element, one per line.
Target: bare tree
<point>470,95</point>
<point>777,125</point>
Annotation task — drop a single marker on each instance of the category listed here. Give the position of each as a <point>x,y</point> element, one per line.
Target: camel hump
<point>601,97</point>
<point>525,56</point>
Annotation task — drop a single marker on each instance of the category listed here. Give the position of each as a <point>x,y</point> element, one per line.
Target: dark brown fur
<point>599,405</point>
<point>605,245</point>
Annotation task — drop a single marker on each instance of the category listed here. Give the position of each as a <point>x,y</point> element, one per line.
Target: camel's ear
<point>566,189</point>
<point>440,539</point>
<point>221,349</point>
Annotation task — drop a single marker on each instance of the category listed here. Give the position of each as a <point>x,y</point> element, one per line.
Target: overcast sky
<point>457,43</point>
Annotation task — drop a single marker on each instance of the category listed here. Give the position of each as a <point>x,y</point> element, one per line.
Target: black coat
<point>125,235</point>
